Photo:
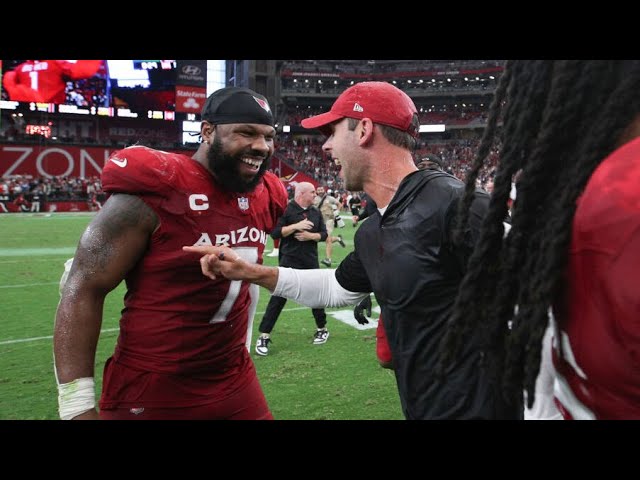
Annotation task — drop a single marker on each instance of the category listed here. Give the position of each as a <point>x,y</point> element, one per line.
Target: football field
<point>340,380</point>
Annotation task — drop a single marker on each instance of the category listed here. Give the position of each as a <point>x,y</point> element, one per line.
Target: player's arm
<point>19,92</point>
<point>315,288</point>
<point>111,245</point>
<point>80,68</point>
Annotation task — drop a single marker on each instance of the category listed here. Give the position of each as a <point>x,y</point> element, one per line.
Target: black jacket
<point>407,258</point>
<point>369,209</point>
<point>294,253</point>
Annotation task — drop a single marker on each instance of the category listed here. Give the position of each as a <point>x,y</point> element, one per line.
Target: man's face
<point>240,154</point>
<point>342,146</point>
<point>305,197</point>
<point>320,192</point>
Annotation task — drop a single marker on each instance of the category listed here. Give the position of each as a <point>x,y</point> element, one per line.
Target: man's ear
<point>207,131</point>
<point>365,130</point>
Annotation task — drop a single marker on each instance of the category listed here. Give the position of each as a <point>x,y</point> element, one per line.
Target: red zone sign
<point>84,162</point>
<point>55,161</point>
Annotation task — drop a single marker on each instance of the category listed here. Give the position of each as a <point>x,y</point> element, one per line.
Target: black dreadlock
<point>560,120</point>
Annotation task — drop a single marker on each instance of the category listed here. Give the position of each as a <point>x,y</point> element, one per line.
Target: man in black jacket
<point>409,253</point>
<point>300,229</point>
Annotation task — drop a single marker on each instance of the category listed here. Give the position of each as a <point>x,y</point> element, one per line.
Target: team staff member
<point>404,253</point>
<point>300,229</point>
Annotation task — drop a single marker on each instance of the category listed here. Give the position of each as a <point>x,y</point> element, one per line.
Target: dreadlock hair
<point>561,118</point>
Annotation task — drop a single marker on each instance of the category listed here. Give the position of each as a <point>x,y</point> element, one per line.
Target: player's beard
<point>225,167</point>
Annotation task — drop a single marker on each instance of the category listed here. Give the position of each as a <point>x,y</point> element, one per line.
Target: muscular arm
<point>111,245</point>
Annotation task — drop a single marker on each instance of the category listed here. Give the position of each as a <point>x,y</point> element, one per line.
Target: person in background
<point>300,229</point>
<point>572,127</point>
<point>405,253</point>
<point>370,208</point>
<point>276,248</point>
<point>182,351</point>
<point>355,202</point>
<point>430,161</point>
<point>328,204</point>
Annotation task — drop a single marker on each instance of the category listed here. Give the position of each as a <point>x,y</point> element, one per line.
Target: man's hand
<point>358,311</point>
<point>304,225</point>
<point>224,262</point>
<point>220,260</point>
<point>305,236</point>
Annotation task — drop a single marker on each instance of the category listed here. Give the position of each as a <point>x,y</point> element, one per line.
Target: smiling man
<point>405,253</point>
<point>181,352</point>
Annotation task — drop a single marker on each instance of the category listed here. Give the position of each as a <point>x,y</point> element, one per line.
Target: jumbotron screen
<point>115,88</point>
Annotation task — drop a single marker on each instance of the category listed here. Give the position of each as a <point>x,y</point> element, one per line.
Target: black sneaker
<point>320,336</point>
<point>262,346</point>
<point>326,262</point>
<point>341,241</point>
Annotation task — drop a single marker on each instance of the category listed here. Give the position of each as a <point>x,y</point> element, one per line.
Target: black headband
<point>237,105</point>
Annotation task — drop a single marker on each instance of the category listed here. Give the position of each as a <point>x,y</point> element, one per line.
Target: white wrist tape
<point>65,274</point>
<point>76,397</point>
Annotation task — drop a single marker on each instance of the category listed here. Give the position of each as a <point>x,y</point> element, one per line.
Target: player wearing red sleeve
<point>45,80</point>
<point>574,241</point>
<point>181,352</point>
<point>598,363</point>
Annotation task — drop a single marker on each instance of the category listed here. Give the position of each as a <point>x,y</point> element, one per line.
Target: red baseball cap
<point>380,101</point>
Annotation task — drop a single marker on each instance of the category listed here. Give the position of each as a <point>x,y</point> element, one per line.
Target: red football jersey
<point>176,320</point>
<point>45,80</point>
<point>598,373</point>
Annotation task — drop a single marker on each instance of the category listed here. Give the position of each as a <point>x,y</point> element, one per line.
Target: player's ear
<point>206,131</point>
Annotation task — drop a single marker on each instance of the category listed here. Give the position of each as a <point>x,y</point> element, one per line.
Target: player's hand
<point>358,311</point>
<point>220,260</point>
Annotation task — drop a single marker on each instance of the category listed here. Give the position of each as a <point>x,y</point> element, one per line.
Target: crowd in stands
<point>414,87</point>
<point>301,153</point>
<point>23,190</point>
<point>373,67</point>
<point>456,148</point>
<point>450,114</point>
<point>305,154</point>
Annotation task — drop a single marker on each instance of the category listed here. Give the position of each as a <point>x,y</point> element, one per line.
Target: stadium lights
<point>432,128</point>
<point>423,128</point>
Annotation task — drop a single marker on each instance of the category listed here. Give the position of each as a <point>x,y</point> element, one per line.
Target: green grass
<point>340,380</point>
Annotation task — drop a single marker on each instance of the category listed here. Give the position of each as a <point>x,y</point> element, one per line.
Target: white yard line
<point>35,252</point>
<point>29,285</point>
<point>50,337</point>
